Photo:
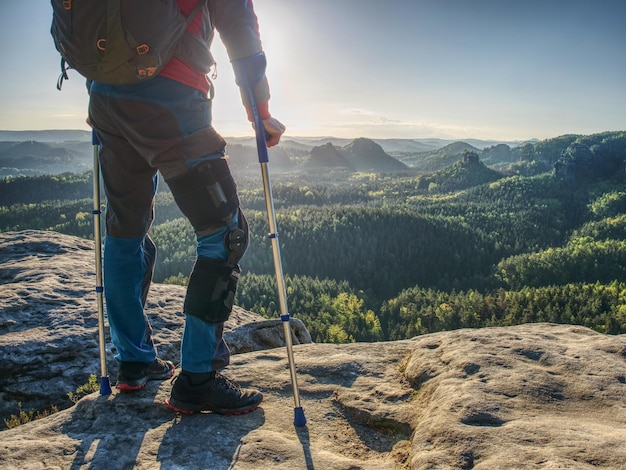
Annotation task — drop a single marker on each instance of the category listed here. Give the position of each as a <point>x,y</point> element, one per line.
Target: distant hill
<point>366,155</point>
<point>328,155</point>
<point>61,135</point>
<point>246,157</point>
<point>466,173</point>
<point>437,159</point>
<point>400,146</point>
<point>359,155</point>
<point>295,144</point>
<point>32,158</point>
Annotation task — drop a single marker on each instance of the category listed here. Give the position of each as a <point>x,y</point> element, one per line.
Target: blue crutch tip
<point>299,419</point>
<point>105,386</point>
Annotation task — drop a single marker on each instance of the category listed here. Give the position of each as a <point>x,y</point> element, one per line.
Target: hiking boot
<point>135,375</point>
<point>216,393</point>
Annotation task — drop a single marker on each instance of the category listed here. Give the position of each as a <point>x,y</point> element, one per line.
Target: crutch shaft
<point>105,386</point>
<point>99,288</point>
<point>280,279</point>
<point>248,73</point>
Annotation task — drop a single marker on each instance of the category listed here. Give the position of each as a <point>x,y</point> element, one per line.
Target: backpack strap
<point>194,49</point>
<point>142,48</point>
<point>63,75</point>
<point>66,14</point>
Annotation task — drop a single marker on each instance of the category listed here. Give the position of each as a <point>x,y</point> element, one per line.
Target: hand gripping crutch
<point>105,384</point>
<point>248,73</point>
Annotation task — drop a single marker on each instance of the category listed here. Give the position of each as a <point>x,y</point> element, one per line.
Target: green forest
<point>502,236</point>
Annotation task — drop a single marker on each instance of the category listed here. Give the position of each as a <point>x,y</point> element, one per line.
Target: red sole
<point>190,412</point>
<point>129,388</point>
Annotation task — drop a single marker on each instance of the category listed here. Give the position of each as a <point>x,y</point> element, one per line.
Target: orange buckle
<point>146,72</point>
<point>142,49</point>
<point>101,44</point>
<point>67,4</point>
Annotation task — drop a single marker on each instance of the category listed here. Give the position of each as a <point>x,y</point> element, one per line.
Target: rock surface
<point>531,396</point>
<point>49,321</point>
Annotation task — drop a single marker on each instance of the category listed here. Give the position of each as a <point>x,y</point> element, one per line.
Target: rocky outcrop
<point>528,396</point>
<point>49,321</point>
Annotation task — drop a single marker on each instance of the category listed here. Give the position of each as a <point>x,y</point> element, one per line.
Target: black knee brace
<point>213,283</point>
<point>211,290</point>
<point>207,194</point>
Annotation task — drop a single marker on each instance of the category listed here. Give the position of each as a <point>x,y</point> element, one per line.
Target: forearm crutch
<point>248,73</point>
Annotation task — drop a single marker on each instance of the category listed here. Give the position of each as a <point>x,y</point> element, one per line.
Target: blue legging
<point>128,264</point>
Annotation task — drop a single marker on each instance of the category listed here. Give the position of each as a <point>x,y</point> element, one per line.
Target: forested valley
<point>490,237</point>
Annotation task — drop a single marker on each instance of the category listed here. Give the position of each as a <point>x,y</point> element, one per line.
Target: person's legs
<point>169,125</point>
<point>129,255</point>
<point>208,304</point>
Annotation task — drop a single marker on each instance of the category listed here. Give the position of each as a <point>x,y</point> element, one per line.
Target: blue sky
<point>507,69</point>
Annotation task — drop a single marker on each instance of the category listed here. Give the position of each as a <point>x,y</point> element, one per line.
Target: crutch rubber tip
<point>299,419</point>
<point>105,386</point>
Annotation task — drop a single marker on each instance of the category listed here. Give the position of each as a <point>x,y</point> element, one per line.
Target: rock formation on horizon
<point>360,155</point>
<point>528,396</point>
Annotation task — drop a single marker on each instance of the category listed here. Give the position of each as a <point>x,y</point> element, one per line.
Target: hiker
<point>164,124</point>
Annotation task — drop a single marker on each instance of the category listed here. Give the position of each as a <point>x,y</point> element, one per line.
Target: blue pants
<point>157,125</point>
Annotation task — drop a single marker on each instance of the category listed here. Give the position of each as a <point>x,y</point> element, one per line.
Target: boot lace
<point>226,383</point>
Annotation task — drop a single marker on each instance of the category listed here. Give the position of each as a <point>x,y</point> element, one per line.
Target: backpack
<point>126,41</point>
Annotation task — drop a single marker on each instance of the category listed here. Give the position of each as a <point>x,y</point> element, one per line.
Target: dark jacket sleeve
<point>238,27</point>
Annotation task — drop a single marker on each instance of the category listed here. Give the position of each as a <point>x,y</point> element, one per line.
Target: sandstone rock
<point>49,321</point>
<point>530,396</point>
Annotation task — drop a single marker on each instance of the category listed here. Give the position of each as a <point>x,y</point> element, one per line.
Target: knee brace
<point>237,239</point>
<point>211,290</point>
<point>213,283</point>
<point>207,194</point>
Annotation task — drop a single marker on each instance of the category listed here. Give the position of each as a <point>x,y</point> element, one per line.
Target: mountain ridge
<point>419,155</point>
<point>389,144</point>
